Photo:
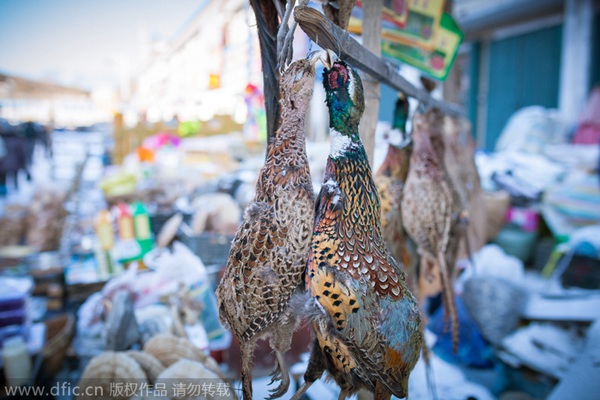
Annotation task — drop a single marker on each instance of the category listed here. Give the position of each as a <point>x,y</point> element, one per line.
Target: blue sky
<point>83,42</point>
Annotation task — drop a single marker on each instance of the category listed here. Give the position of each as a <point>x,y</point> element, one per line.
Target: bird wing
<point>251,289</point>
<point>358,292</point>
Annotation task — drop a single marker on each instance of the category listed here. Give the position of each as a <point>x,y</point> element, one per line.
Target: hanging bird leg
<point>466,221</point>
<point>267,21</point>
<point>282,34</point>
<point>246,352</point>
<point>448,300</point>
<point>279,6</point>
<point>280,341</point>
<point>285,35</point>
<point>287,51</point>
<point>314,371</point>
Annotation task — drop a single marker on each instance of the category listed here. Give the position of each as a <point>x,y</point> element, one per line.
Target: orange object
<point>145,155</point>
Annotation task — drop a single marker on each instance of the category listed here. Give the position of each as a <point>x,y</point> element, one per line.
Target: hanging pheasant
<point>268,255</point>
<point>460,164</point>
<point>390,180</point>
<point>459,219</point>
<point>460,208</point>
<point>427,208</point>
<point>441,132</point>
<point>366,322</point>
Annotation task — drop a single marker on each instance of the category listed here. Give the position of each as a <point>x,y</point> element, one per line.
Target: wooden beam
<point>372,42</point>
<point>329,36</point>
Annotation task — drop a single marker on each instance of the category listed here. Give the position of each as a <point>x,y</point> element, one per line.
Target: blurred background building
<point>520,53</point>
<point>516,53</point>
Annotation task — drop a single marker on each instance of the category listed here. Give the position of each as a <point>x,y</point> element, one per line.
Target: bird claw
<point>275,374</point>
<point>278,375</point>
<point>280,390</point>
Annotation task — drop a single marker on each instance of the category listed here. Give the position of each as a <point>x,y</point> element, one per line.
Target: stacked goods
<point>12,225</point>
<point>45,220</point>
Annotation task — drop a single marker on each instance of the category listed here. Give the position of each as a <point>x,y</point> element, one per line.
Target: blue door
<point>524,70</point>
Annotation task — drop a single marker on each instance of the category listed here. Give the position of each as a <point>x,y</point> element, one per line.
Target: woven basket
<point>59,333</point>
<point>212,248</point>
<point>496,206</point>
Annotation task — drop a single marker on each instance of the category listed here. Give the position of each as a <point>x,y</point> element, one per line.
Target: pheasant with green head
<point>390,179</point>
<point>366,322</point>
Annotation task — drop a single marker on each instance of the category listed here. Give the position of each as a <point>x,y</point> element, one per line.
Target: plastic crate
<point>212,248</point>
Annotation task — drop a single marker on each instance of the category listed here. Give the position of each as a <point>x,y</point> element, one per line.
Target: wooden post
<point>372,42</point>
<point>451,86</point>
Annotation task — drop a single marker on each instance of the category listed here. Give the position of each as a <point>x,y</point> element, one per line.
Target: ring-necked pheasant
<point>427,208</point>
<point>460,164</point>
<point>268,255</point>
<point>390,179</point>
<point>366,322</point>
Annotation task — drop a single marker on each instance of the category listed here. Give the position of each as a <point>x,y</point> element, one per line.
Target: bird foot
<point>281,389</point>
<point>275,374</point>
<point>280,374</point>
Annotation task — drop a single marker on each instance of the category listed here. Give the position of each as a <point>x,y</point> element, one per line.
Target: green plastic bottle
<point>141,227</point>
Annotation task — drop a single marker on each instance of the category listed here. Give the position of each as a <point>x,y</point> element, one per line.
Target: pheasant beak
<point>315,56</point>
<point>330,58</point>
<point>327,57</point>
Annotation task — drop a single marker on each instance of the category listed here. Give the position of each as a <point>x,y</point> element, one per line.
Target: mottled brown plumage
<point>390,180</point>
<point>268,254</point>
<point>460,209</point>
<point>460,163</point>
<point>427,208</point>
<point>366,322</point>
<point>459,219</point>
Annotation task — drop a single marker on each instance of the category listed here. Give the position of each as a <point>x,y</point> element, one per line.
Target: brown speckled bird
<point>366,322</point>
<point>460,164</point>
<point>268,255</point>
<point>390,180</point>
<point>427,208</point>
<point>436,122</point>
<point>460,208</point>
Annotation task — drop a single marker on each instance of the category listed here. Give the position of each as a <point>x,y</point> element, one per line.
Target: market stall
<point>430,269</point>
